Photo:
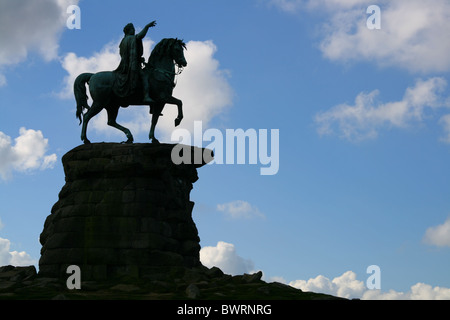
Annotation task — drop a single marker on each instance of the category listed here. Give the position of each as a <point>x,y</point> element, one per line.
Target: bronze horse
<point>160,69</point>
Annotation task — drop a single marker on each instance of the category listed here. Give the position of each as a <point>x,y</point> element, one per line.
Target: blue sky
<point>363,117</point>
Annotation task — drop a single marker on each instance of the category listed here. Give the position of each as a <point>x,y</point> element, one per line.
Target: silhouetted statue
<point>130,84</point>
<point>129,74</point>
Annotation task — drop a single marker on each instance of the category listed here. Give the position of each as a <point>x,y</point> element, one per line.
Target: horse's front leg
<point>179,103</point>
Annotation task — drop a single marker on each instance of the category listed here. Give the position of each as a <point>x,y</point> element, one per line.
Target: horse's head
<point>169,48</point>
<point>178,47</point>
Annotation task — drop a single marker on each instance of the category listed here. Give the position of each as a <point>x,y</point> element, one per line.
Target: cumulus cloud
<point>13,258</point>
<point>419,291</point>
<point>239,209</point>
<point>26,154</point>
<point>348,286</point>
<point>438,235</point>
<point>225,257</point>
<point>413,35</point>
<point>367,116</point>
<point>30,25</point>
<point>203,87</point>
<point>345,286</point>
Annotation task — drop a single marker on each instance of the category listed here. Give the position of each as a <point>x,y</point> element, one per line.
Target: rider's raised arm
<point>144,31</point>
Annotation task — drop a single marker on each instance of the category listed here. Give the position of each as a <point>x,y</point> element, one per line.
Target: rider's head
<point>129,29</point>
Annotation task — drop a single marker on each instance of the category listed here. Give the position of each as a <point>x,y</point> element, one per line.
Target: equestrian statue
<point>134,82</point>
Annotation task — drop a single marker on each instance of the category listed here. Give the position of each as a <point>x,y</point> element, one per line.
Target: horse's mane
<point>163,48</point>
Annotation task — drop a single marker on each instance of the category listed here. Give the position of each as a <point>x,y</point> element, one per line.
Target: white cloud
<point>13,258</point>
<point>419,291</point>
<point>364,119</point>
<point>438,235</point>
<point>347,286</point>
<point>413,33</point>
<point>203,88</point>
<point>28,153</point>
<point>30,25</point>
<point>239,209</point>
<point>422,291</point>
<point>225,257</point>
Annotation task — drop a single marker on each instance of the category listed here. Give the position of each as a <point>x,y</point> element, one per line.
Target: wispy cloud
<point>445,123</point>
<point>367,116</point>
<point>240,209</point>
<point>291,6</point>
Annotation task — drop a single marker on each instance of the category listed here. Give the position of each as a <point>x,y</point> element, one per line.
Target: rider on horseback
<point>129,74</point>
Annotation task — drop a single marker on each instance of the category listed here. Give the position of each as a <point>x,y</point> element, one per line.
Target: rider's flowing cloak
<point>127,74</point>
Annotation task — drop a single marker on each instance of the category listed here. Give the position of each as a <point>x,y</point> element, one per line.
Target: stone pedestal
<point>124,211</point>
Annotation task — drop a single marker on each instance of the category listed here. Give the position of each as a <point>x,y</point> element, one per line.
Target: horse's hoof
<point>86,141</point>
<point>129,141</point>
<point>177,121</point>
<point>155,141</point>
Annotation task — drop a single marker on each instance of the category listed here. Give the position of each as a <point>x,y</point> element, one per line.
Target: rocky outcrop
<point>199,283</point>
<point>125,210</point>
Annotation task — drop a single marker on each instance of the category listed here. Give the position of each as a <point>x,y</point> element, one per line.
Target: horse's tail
<point>79,89</point>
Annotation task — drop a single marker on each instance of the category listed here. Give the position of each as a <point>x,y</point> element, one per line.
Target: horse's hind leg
<point>157,108</point>
<point>93,111</point>
<point>151,135</point>
<point>112,116</point>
